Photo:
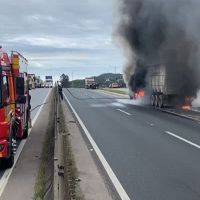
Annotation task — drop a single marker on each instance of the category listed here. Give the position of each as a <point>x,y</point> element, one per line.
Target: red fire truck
<point>14,104</point>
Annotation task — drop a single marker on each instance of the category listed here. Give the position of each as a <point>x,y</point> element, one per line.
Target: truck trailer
<point>31,78</point>
<point>159,87</point>
<point>90,83</point>
<point>14,104</point>
<point>38,82</point>
<point>48,82</point>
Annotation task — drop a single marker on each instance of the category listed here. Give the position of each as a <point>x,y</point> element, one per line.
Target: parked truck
<point>161,89</point>
<point>48,82</point>
<point>14,104</point>
<point>31,78</point>
<point>90,83</point>
<point>38,82</point>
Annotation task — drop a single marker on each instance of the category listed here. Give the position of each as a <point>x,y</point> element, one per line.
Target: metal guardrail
<point>62,158</point>
<point>56,121</point>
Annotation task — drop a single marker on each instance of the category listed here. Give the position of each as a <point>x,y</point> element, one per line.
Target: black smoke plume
<point>154,32</point>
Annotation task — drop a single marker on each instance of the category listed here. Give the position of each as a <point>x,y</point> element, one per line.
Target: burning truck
<point>161,44</point>
<point>161,89</point>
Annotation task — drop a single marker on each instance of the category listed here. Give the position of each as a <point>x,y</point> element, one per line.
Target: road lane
<point>123,111</point>
<point>166,122</point>
<point>183,139</point>
<point>149,163</point>
<point>119,188</point>
<point>37,97</point>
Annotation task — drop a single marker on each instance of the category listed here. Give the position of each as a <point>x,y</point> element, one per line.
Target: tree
<point>78,83</point>
<point>64,79</point>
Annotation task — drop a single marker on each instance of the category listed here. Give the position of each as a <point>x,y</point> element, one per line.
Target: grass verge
<point>115,91</point>
<point>71,176</point>
<point>44,178</point>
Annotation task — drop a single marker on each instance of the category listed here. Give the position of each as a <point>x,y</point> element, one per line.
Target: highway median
<point>66,181</point>
<point>44,181</point>
<point>76,175</point>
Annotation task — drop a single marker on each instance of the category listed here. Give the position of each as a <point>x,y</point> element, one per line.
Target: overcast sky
<point>61,36</point>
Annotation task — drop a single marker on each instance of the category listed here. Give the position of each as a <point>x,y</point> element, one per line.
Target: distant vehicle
<point>121,83</point>
<point>14,104</point>
<point>48,82</point>
<point>31,78</point>
<point>90,83</point>
<point>38,82</point>
<point>159,88</point>
<point>114,85</point>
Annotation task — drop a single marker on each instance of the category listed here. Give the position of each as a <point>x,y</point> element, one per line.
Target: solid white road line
<point>119,188</point>
<point>8,172</point>
<point>183,139</point>
<point>124,112</point>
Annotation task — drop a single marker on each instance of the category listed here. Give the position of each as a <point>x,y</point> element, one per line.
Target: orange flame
<point>140,94</point>
<point>188,101</point>
<point>186,107</point>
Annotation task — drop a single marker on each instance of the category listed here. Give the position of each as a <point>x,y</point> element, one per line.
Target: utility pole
<point>115,73</point>
<point>72,79</point>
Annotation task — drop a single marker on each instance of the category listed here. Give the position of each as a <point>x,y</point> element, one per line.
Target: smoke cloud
<point>154,32</point>
<point>196,102</point>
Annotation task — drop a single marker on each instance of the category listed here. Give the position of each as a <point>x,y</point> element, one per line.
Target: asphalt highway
<point>37,97</point>
<point>154,155</point>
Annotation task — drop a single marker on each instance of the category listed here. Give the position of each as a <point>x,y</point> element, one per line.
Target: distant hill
<point>108,77</point>
<point>79,83</point>
<point>103,80</point>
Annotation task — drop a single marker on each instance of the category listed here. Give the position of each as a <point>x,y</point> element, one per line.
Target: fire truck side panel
<point>22,110</point>
<point>13,109</point>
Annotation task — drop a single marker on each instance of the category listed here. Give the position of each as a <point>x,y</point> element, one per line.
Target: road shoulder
<point>92,184</point>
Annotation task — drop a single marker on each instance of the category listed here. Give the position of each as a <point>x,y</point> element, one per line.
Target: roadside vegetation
<point>103,80</point>
<point>72,190</point>
<point>116,90</point>
<point>44,182</point>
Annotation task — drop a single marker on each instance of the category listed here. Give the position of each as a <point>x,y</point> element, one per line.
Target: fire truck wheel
<point>8,162</point>
<point>25,134</point>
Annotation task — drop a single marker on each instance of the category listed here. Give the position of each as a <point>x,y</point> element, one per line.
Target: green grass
<point>47,153</point>
<point>69,161</point>
<point>115,91</point>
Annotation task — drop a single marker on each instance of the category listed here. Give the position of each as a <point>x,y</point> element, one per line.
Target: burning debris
<point>186,108</point>
<point>160,32</point>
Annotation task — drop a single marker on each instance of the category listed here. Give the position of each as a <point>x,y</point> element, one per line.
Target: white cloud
<point>72,34</point>
<point>38,18</point>
<point>36,64</point>
<point>63,42</point>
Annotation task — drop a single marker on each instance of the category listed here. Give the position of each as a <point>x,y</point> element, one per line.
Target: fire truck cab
<point>14,105</point>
